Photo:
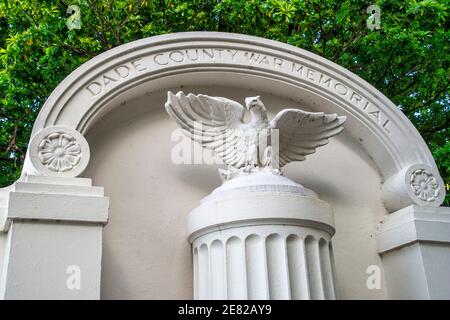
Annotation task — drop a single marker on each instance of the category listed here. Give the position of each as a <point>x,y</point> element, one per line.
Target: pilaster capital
<point>413,224</point>
<point>55,199</point>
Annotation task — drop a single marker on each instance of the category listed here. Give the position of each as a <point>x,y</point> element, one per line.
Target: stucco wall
<point>145,252</point>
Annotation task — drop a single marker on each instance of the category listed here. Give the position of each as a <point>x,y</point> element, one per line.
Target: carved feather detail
<point>302,132</point>
<point>217,124</point>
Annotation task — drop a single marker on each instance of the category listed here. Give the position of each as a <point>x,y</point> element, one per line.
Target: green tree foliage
<point>407,59</point>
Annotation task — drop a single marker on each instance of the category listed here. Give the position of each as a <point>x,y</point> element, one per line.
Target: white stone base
<point>262,239</point>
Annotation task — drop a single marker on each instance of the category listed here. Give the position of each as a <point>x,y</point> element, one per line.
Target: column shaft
<point>263,262</point>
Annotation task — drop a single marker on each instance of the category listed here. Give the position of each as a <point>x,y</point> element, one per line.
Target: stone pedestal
<point>53,232</point>
<point>414,244</point>
<point>262,236</point>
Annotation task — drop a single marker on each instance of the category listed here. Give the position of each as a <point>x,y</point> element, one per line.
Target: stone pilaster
<point>53,245</point>
<point>414,244</point>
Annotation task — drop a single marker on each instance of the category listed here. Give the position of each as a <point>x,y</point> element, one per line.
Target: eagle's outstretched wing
<point>213,122</point>
<point>301,132</point>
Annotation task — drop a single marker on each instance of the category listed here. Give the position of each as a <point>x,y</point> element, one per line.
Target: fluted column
<point>262,240</point>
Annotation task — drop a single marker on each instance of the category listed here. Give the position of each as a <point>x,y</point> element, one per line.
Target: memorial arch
<point>119,89</point>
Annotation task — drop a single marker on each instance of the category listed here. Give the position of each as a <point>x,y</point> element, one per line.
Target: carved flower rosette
<point>425,185</point>
<point>59,152</point>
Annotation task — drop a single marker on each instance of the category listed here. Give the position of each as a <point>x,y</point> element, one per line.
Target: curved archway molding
<point>221,58</point>
<point>55,218</point>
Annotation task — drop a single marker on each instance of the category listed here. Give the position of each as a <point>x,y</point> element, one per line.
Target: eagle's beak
<point>250,103</point>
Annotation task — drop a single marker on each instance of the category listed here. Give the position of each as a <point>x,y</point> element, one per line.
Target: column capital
<point>259,199</point>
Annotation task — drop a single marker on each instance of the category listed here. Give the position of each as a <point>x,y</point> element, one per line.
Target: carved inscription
<point>117,74</point>
<point>343,90</point>
<point>161,60</point>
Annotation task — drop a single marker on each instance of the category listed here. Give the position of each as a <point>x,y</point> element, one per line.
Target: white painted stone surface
<point>246,147</point>
<point>3,236</point>
<point>128,135</point>
<point>262,238</point>
<point>219,59</point>
<point>140,240</point>
<point>58,151</point>
<point>41,255</point>
<point>415,247</point>
<point>53,248</point>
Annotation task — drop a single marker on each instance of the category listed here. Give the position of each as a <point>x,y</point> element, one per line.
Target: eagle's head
<point>254,102</point>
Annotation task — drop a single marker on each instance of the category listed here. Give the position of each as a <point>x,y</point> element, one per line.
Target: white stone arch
<point>217,58</point>
<point>55,218</point>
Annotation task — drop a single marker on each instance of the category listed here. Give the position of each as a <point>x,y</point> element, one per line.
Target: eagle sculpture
<point>218,124</point>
